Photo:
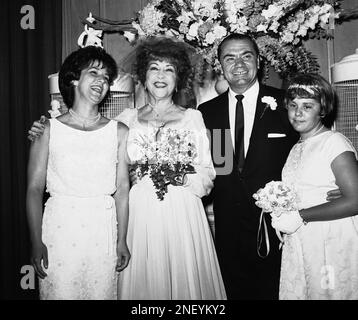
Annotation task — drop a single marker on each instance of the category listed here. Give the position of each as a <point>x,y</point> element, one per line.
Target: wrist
<point>36,239</point>
<point>302,215</point>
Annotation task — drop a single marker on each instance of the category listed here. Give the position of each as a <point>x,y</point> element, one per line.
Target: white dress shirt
<point>249,104</point>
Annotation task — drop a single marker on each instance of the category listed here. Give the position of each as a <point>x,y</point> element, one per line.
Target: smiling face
<point>161,78</point>
<point>93,84</point>
<point>304,115</point>
<point>240,64</point>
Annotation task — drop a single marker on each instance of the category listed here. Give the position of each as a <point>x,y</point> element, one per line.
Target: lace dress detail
<point>79,224</point>
<point>320,260</point>
<point>172,250</point>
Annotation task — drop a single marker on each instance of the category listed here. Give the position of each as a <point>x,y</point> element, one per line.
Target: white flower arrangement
<point>279,27</point>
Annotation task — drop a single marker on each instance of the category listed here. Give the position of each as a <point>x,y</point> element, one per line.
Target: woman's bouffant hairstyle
<point>164,49</point>
<point>312,86</point>
<point>79,60</point>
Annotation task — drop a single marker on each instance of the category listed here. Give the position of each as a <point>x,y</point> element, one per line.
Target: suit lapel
<point>223,112</point>
<point>221,144</point>
<point>256,134</point>
<point>226,125</point>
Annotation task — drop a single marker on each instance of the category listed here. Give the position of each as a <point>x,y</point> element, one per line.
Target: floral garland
<point>279,27</point>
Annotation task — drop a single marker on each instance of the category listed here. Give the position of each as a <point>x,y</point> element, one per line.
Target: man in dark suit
<point>255,139</point>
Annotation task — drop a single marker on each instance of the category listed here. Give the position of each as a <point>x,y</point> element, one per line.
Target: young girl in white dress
<point>320,251</point>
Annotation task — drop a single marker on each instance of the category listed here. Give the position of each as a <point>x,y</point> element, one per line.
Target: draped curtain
<point>27,57</point>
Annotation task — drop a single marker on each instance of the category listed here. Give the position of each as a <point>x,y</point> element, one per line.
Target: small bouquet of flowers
<point>167,159</point>
<point>278,198</point>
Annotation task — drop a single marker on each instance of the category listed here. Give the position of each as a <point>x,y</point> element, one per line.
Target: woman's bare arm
<point>36,174</point>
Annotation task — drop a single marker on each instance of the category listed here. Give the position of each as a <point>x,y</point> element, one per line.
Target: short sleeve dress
<point>320,260</point>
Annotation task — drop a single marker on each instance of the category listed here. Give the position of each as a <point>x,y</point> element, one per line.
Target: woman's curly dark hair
<point>76,62</point>
<point>164,49</point>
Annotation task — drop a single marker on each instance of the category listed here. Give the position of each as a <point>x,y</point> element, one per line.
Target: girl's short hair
<point>312,86</point>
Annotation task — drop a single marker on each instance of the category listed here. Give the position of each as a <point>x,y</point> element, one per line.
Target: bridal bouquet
<point>278,198</point>
<point>167,159</point>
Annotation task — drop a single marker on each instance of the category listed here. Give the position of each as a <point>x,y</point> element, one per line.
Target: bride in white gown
<point>172,250</point>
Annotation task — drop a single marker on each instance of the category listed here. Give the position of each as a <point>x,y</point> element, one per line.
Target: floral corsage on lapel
<point>270,102</point>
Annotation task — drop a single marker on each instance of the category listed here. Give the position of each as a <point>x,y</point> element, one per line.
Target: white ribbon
<point>267,239</point>
<point>90,37</point>
<point>259,237</point>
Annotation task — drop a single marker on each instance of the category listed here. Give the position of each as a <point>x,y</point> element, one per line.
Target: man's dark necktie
<point>239,132</point>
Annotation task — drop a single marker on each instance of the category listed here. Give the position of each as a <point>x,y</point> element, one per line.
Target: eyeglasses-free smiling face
<point>304,115</point>
<point>161,79</point>
<point>93,84</point>
<point>240,64</point>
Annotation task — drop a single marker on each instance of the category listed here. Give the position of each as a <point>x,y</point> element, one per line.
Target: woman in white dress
<point>320,251</point>
<point>172,250</point>
<point>80,158</point>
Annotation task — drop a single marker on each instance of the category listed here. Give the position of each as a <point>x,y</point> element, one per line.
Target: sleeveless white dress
<point>79,224</point>
<point>320,260</point>
<point>172,250</point>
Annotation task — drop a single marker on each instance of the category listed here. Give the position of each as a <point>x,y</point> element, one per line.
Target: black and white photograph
<point>180,157</point>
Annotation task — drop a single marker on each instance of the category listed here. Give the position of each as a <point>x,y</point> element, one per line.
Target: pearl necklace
<point>84,121</point>
<point>317,132</point>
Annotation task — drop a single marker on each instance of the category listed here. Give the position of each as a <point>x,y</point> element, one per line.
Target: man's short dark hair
<point>238,36</point>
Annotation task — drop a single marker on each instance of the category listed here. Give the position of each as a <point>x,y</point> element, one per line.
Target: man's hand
<point>37,129</point>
